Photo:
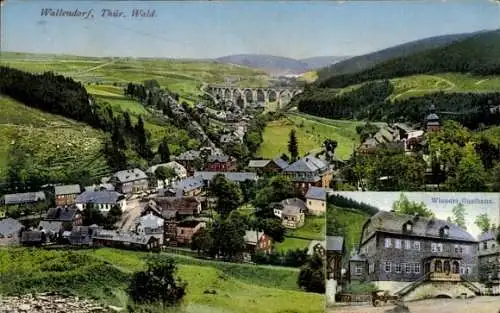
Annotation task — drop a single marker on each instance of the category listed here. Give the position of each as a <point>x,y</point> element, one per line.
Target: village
<point>164,206</point>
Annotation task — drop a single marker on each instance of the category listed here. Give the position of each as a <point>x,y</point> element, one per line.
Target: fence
<point>353,298</point>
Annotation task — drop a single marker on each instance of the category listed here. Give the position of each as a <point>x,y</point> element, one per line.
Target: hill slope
<point>363,62</point>
<point>277,65</point>
<point>476,54</point>
<point>53,146</point>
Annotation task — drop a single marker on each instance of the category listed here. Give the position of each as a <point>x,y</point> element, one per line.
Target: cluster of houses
<point>401,253</point>
<point>401,135</point>
<point>162,211</point>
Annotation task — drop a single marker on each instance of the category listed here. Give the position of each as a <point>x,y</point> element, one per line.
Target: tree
<point>312,275</point>
<point>127,121</point>
<point>91,215</point>
<point>202,242</point>
<point>274,190</point>
<point>483,222</point>
<point>164,173</point>
<point>112,217</point>
<point>164,150</point>
<point>228,194</point>
<point>142,143</point>
<point>459,216</point>
<point>405,206</point>
<point>273,227</point>
<point>228,238</point>
<point>470,174</point>
<point>158,283</point>
<point>293,146</point>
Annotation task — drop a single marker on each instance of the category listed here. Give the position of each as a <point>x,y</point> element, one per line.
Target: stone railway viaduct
<point>281,95</point>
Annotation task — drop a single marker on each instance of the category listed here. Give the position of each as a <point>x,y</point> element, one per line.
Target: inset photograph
<point>413,252</point>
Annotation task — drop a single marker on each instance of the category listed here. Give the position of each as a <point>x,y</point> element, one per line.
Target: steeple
<point>432,120</point>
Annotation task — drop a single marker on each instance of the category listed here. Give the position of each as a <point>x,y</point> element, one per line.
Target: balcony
<point>435,276</point>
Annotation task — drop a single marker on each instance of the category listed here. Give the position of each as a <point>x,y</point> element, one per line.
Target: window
<point>407,244</point>
<point>485,245</point>
<point>417,268</point>
<point>371,267</point>
<point>468,270</point>
<point>387,266</point>
<point>408,268</point>
<point>397,268</point>
<point>462,270</point>
<point>358,270</point>
<point>397,243</point>
<point>387,242</point>
<point>416,245</point>
<point>436,247</point>
<point>408,227</point>
<point>310,202</point>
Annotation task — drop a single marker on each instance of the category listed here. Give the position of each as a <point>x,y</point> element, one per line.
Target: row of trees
<point>371,102</point>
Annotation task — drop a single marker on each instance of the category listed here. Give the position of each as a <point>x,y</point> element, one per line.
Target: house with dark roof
<point>267,166</point>
<point>220,163</point>
<point>22,198</point>
<point>431,121</point>
<point>398,251</point>
<point>130,181</point>
<point>316,200</point>
<point>10,231</point>
<point>309,171</point>
<point>489,261</point>
<point>66,194</point>
<point>189,187</point>
<point>57,220</point>
<point>125,240</point>
<point>33,237</point>
<point>103,200</point>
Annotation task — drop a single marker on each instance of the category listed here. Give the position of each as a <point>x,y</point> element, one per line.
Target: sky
<point>441,203</point>
<point>202,29</point>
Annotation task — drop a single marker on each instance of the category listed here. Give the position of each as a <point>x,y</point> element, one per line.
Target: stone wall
<point>331,290</point>
<point>435,289</point>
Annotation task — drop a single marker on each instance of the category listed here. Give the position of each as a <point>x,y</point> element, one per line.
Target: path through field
<point>475,305</point>
<point>481,81</point>
<point>450,84</point>
<point>93,68</point>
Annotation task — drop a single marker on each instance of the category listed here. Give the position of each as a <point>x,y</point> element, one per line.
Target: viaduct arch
<point>282,95</point>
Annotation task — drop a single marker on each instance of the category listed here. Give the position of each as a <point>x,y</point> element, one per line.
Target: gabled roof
<point>334,243</point>
<point>99,197</point>
<point>232,176</point>
<point>489,235</point>
<point>130,175</point>
<point>252,236</point>
<point>391,222</point>
<point>281,163</point>
<point>258,163</point>
<point>294,202</point>
<point>190,183</point>
<point>27,197</point>
<point>51,226</point>
<point>317,193</point>
<point>123,237</point>
<point>307,164</point>
<point>10,226</point>
<point>61,214</point>
<point>358,258</point>
<point>67,190</point>
<point>219,158</point>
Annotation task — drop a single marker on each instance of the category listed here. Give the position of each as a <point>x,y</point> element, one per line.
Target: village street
<point>475,305</point>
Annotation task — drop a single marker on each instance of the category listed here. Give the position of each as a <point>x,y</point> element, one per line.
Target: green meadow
<point>103,274</point>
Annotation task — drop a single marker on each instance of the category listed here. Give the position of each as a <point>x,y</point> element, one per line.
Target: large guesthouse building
<point>398,250</point>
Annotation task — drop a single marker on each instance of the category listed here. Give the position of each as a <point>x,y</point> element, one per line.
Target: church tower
<point>432,123</point>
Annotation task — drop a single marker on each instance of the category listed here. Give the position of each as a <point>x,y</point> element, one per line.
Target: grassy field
<point>181,76</point>
<point>58,144</point>
<point>103,274</point>
<point>352,223</point>
<point>492,133</point>
<point>418,85</point>
<point>314,229</point>
<point>311,132</point>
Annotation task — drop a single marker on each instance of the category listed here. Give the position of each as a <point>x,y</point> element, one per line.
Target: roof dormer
<point>408,227</point>
<point>444,231</point>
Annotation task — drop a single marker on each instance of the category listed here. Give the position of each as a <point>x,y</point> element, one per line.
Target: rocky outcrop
<point>50,303</point>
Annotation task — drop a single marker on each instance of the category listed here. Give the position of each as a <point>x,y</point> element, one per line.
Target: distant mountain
<point>276,65</point>
<point>363,62</point>
<point>477,54</point>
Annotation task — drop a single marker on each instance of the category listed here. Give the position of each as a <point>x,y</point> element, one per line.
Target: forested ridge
<point>363,62</point>
<point>476,55</point>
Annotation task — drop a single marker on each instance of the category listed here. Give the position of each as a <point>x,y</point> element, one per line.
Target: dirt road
<point>476,305</point>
